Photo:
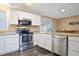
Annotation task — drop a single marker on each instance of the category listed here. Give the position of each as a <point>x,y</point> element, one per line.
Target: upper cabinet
<point>14,17</point>
<point>15,14</point>
<point>36,19</point>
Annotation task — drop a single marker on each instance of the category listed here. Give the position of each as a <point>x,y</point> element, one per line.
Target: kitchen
<point>25,28</point>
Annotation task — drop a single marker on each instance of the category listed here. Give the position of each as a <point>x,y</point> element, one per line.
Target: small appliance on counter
<point>25,39</point>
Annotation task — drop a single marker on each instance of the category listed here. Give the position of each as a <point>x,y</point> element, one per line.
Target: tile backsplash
<point>64,23</point>
<point>31,28</point>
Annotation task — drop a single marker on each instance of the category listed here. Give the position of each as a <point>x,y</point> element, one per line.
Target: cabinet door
<point>73,45</point>
<point>48,42</point>
<point>1,46</point>
<point>41,41</point>
<point>11,47</point>
<point>15,14</point>
<point>73,53</point>
<point>45,41</point>
<point>36,19</point>
<point>11,43</point>
<point>35,39</point>
<point>75,39</point>
<point>38,39</point>
<point>10,39</point>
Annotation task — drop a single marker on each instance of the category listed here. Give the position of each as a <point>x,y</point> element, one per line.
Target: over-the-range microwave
<point>24,21</point>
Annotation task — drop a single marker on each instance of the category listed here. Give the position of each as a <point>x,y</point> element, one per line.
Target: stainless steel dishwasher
<point>60,45</point>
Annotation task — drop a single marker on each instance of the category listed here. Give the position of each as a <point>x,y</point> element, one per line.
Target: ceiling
<point>51,9</point>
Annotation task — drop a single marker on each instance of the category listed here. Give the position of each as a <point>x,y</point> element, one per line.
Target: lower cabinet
<point>11,47</point>
<point>73,46</point>
<point>43,40</point>
<point>73,53</point>
<point>36,39</point>
<point>48,42</point>
<point>1,45</point>
<point>9,43</point>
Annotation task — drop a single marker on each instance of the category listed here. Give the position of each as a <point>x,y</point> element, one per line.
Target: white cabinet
<point>1,45</point>
<point>9,43</point>
<point>73,53</point>
<point>14,17</point>
<point>36,19</point>
<point>36,39</point>
<point>43,40</point>
<point>73,46</point>
<point>11,48</point>
<point>15,14</point>
<point>49,43</point>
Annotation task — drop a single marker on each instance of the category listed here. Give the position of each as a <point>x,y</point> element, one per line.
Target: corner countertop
<point>59,33</point>
<point>8,33</point>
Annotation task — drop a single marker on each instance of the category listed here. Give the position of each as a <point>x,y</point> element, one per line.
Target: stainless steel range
<point>25,39</point>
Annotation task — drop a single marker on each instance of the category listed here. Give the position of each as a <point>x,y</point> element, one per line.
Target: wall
<point>55,24</point>
<point>63,23</point>
<point>7,10</point>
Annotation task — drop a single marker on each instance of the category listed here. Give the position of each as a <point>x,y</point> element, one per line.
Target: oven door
<point>25,41</point>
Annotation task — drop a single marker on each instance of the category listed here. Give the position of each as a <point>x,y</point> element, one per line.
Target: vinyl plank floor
<point>35,51</point>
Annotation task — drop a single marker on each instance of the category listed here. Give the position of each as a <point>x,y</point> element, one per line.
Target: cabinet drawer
<point>76,39</point>
<point>1,46</point>
<point>11,47</point>
<point>11,36</point>
<point>11,40</point>
<point>72,53</point>
<point>74,46</point>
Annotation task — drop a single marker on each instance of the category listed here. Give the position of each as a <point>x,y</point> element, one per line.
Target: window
<point>3,20</point>
<point>46,25</point>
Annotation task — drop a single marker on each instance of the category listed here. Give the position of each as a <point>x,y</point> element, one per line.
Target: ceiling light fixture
<point>29,4</point>
<point>62,10</point>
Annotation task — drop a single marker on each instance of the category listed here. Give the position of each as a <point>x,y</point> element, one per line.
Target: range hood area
<point>24,21</point>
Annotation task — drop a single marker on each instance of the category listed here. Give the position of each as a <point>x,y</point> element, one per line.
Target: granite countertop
<point>58,33</point>
<point>8,33</point>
